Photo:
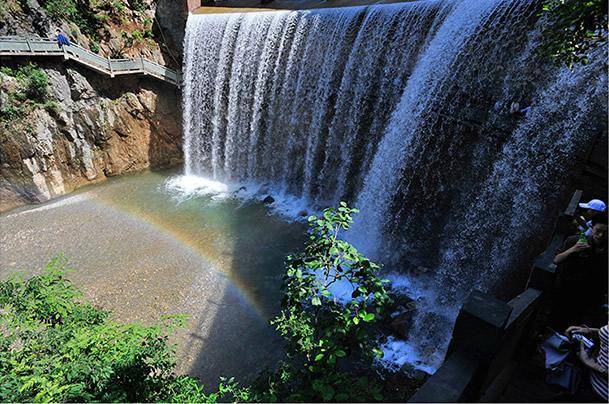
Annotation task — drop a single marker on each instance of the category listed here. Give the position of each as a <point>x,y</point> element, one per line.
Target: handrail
<point>15,46</point>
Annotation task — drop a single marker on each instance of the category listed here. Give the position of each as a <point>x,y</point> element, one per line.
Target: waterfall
<point>403,110</point>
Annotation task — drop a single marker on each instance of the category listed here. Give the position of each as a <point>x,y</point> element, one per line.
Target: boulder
<point>80,87</point>
<point>401,319</point>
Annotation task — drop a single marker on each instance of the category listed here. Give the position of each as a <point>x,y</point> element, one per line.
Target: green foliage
<point>316,326</point>
<point>321,332</point>
<point>61,9</point>
<point>137,5</point>
<point>574,29</point>
<point>80,12</point>
<point>94,46</point>
<point>8,7</point>
<point>95,17</point>
<point>52,107</point>
<point>33,91</point>
<point>56,347</point>
<point>35,81</point>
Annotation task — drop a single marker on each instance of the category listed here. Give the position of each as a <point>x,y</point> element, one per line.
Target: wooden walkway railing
<point>111,67</point>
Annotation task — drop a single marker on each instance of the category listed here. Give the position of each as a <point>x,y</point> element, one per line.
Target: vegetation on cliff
<point>55,346</point>
<point>98,19</point>
<point>21,90</point>
<point>115,28</point>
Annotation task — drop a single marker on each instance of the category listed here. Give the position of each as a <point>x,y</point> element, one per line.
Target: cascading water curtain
<point>404,111</point>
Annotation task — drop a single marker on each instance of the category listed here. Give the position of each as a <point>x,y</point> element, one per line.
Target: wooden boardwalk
<point>18,47</point>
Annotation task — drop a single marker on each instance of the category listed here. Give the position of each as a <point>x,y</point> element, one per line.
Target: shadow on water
<point>234,288</point>
<point>165,147</point>
<point>239,340</point>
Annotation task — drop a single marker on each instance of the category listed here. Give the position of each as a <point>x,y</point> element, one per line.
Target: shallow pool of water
<point>142,249</point>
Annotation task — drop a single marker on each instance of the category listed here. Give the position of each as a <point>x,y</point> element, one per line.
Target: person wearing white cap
<point>593,208</point>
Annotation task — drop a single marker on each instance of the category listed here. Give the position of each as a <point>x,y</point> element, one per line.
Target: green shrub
<point>11,111</point>
<point>320,332</point>
<point>61,9</point>
<point>8,7</point>
<point>57,347</point>
<point>33,92</point>
<point>316,326</point>
<point>52,107</point>
<point>574,28</point>
<point>80,12</point>
<point>35,81</point>
<point>137,5</point>
<point>94,46</point>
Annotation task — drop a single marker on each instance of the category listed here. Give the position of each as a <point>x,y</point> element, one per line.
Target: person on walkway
<point>599,361</point>
<point>582,277</point>
<point>593,208</point>
<point>61,39</point>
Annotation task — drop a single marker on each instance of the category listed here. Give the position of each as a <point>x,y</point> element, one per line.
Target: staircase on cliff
<point>110,67</point>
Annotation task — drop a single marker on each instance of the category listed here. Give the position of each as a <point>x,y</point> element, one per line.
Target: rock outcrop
<point>97,128</point>
<point>88,127</point>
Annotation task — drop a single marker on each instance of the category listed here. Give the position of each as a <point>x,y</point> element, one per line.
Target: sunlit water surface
<point>151,244</point>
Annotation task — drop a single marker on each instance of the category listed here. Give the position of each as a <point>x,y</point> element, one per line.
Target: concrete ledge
<point>451,383</point>
<point>483,350</point>
<point>479,326</point>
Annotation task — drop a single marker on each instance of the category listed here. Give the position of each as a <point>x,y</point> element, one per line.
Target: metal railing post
<point>88,58</point>
<point>110,67</point>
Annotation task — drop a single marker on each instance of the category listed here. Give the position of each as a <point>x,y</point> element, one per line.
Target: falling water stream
<point>402,110</point>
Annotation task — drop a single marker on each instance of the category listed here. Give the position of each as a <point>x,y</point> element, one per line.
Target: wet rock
<point>405,381</point>
<point>420,270</point>
<point>268,200</point>
<point>401,319</point>
<point>418,374</point>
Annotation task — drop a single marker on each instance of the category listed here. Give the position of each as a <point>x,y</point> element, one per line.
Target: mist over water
<point>402,110</point>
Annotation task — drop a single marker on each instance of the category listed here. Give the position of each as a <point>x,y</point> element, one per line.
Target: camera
<point>588,343</point>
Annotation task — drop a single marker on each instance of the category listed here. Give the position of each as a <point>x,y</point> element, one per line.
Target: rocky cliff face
<point>97,128</point>
<point>87,128</point>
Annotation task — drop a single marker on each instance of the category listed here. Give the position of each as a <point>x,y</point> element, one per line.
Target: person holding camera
<point>597,360</point>
<point>582,277</point>
<point>593,208</point>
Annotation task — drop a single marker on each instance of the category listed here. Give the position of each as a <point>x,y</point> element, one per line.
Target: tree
<point>322,330</point>
<point>574,29</point>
